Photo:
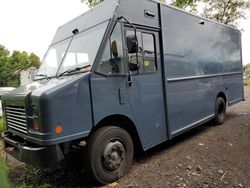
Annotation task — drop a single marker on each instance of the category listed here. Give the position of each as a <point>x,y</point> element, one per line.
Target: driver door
<point>142,101</point>
<point>146,94</point>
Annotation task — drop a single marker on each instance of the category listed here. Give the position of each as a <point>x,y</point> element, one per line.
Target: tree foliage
<point>183,4</point>
<point>11,65</point>
<point>247,68</point>
<point>92,3</point>
<point>228,12</point>
<point>224,11</point>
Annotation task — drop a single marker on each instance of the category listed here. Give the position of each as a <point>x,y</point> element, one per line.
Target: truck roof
<point>109,8</point>
<point>102,12</point>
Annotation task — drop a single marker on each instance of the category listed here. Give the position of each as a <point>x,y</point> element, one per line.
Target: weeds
<point>3,176</point>
<point>32,186</point>
<point>2,128</point>
<point>25,176</point>
<point>247,82</point>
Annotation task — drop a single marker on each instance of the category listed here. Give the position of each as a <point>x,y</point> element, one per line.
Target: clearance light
<point>58,128</point>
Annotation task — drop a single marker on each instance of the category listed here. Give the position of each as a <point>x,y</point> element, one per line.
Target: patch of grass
<point>247,82</point>
<point>32,186</point>
<point>25,176</point>
<point>3,176</point>
<point>2,127</point>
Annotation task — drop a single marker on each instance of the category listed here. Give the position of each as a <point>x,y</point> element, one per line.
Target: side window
<point>146,52</point>
<point>132,56</point>
<point>112,62</point>
<point>149,59</point>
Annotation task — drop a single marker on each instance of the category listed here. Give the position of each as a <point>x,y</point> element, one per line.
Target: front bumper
<point>35,155</point>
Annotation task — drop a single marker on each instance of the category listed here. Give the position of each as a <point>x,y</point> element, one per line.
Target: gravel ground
<point>208,156</point>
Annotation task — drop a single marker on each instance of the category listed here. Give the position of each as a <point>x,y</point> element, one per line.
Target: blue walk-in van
<point>125,75</point>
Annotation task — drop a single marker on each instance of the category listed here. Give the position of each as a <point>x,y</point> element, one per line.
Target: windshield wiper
<point>73,70</point>
<point>43,75</point>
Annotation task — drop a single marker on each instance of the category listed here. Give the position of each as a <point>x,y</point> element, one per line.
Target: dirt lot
<point>208,156</point>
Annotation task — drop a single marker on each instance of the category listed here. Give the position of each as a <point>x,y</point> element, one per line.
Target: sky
<point>30,25</point>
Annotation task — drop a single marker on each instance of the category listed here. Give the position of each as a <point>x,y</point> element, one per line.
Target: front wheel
<point>220,111</point>
<point>109,154</point>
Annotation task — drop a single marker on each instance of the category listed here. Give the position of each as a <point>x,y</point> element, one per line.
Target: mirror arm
<point>122,17</point>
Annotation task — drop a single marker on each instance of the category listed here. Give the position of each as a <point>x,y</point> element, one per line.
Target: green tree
<point>92,3</point>
<point>247,68</point>
<point>184,4</point>
<point>11,65</point>
<point>34,60</point>
<point>226,11</point>
<point>4,57</point>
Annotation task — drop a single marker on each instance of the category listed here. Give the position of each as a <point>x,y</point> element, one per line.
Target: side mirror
<point>132,44</point>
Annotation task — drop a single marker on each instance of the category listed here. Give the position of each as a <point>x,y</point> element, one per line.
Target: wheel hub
<point>113,155</point>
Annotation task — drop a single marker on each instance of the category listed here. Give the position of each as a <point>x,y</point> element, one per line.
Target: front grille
<point>16,118</point>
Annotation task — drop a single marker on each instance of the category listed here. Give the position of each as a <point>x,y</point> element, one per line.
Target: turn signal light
<point>58,129</point>
<point>36,127</point>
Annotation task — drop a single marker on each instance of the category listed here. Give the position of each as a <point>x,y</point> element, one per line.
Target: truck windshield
<point>73,53</point>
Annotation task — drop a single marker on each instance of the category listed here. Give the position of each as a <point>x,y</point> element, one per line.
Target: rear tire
<point>110,153</point>
<point>220,111</point>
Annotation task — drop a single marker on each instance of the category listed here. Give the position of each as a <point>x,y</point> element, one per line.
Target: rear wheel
<point>109,154</point>
<point>220,111</point>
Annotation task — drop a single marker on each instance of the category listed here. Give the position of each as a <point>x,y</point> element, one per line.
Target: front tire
<point>220,111</point>
<point>110,153</point>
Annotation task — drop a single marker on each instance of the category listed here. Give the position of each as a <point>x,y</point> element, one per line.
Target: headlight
<point>36,126</point>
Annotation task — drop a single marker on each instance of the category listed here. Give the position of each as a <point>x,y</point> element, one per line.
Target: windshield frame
<point>66,51</point>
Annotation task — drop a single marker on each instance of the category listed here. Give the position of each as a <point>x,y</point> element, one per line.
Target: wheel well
<point>123,122</point>
<point>221,94</point>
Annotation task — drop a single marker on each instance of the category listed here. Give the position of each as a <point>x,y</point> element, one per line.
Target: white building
<point>27,76</point>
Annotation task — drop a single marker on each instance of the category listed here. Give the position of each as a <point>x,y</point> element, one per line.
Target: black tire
<point>110,152</point>
<point>220,111</point>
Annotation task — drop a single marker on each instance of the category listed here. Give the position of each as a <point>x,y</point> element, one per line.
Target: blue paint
<point>193,63</point>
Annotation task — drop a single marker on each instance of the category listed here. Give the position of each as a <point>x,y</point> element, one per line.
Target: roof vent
<point>76,31</point>
<point>149,14</point>
<point>202,22</point>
